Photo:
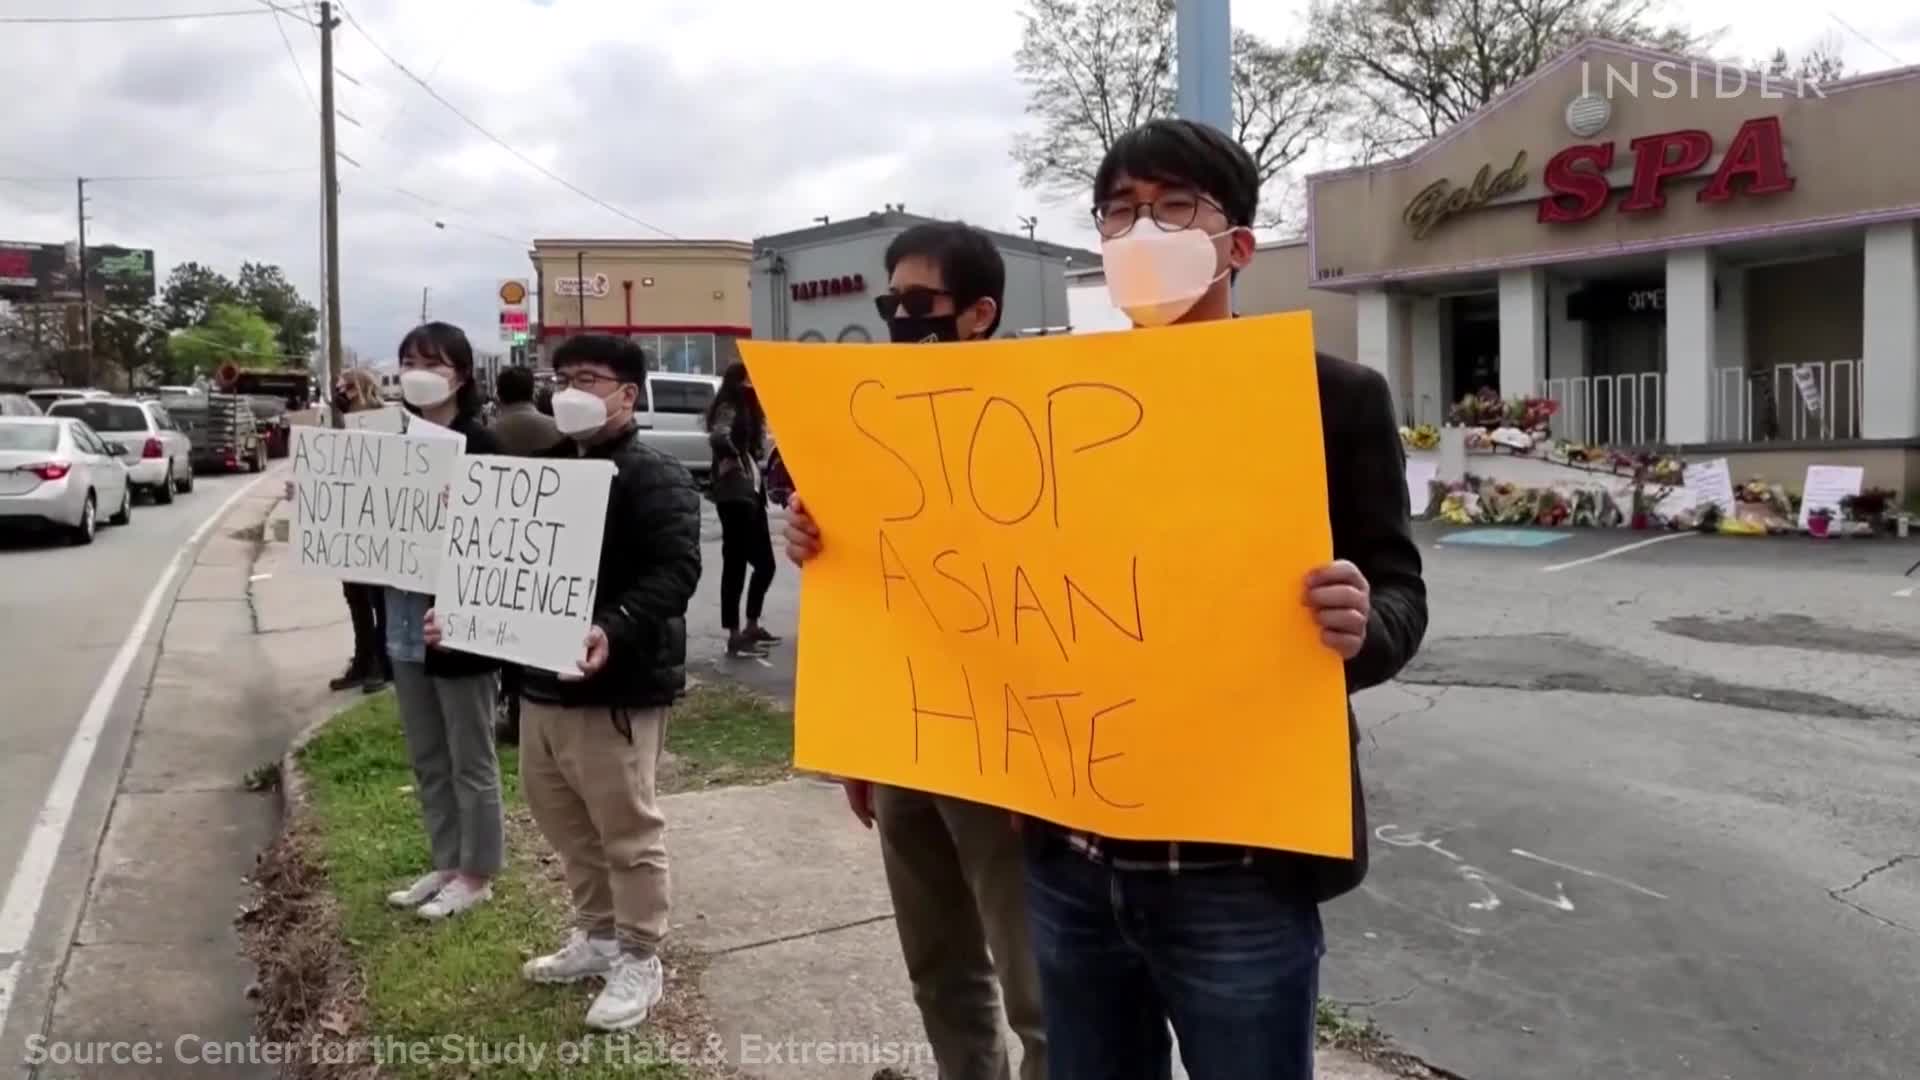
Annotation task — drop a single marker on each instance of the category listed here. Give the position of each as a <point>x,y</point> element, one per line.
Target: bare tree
<point>1820,63</point>
<point>1096,69</point>
<point>1414,68</point>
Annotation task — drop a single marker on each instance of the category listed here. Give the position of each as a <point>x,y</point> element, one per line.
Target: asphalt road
<point>1640,809</point>
<point>67,611</point>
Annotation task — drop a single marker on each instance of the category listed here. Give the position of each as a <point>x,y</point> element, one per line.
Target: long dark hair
<point>446,342</point>
<point>749,420</point>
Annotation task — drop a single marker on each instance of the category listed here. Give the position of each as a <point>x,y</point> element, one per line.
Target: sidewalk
<point>156,958</point>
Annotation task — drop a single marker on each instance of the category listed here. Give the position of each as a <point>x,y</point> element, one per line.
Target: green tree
<point>1411,69</point>
<point>1095,69</point>
<point>230,334</point>
<point>192,293</point>
<point>264,288</point>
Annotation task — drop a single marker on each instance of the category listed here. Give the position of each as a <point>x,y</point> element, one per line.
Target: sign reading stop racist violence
<point>522,558</point>
<point>369,507</point>
<point>1065,576</point>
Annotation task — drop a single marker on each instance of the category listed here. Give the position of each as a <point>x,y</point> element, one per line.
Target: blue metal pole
<point>1204,61</point>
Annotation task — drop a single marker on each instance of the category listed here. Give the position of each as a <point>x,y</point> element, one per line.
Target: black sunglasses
<point>917,301</point>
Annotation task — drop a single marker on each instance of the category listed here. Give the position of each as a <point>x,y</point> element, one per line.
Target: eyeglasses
<point>1172,211</point>
<point>590,381</point>
<point>918,301</point>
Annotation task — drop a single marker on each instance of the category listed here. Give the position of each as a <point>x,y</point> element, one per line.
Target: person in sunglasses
<point>955,868</point>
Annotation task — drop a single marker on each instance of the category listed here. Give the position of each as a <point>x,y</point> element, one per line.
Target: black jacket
<point>452,663</point>
<point>649,567</point>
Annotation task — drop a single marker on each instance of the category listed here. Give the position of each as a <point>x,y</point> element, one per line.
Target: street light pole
<point>1203,40</point>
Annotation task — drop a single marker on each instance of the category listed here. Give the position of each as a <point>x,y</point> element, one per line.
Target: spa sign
<point>1441,200</point>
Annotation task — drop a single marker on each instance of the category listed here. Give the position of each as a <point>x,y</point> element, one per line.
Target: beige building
<point>1679,252</point>
<point>685,301</point>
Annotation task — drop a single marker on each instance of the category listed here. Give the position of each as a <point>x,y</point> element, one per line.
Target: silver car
<point>58,472</point>
<point>159,456</point>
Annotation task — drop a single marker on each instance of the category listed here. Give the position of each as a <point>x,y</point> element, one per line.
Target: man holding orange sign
<point>996,617</point>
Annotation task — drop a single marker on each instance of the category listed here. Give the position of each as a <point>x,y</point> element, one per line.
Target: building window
<point>856,332</point>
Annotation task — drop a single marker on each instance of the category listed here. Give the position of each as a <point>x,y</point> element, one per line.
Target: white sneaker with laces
<point>634,987</point>
<point>457,897</point>
<point>426,888</point>
<point>582,957</point>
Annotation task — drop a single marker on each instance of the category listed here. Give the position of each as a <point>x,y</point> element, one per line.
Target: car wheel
<point>185,483</point>
<point>254,464</point>
<point>82,533</point>
<point>163,494</point>
<point>125,516</point>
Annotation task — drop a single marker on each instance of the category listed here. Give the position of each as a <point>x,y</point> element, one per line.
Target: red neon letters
<point>1578,189</point>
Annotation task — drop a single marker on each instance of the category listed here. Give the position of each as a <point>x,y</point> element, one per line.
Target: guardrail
<point>1609,410</point>
<point>1767,405</point>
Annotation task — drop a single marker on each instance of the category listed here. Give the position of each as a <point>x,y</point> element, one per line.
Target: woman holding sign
<point>358,391</point>
<point>737,430</point>
<point>447,698</point>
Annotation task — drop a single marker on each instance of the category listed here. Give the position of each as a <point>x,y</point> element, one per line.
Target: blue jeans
<point>1227,955</point>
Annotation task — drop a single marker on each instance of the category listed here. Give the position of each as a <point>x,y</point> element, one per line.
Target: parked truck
<point>223,430</point>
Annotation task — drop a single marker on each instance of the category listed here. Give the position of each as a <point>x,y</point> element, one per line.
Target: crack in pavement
<point>798,935</point>
<point>1392,999</point>
<point>1840,895</point>
<point>1373,729</point>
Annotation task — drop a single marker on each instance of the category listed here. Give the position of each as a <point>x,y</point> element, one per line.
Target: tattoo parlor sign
<point>368,506</point>
<point>1030,595</point>
<point>522,558</point>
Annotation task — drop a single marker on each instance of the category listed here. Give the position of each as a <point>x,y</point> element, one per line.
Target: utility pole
<point>86,298</point>
<point>424,290</point>
<point>1203,59</point>
<point>330,199</point>
<point>580,285</point>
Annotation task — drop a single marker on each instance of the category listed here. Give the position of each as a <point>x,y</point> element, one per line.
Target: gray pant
<point>957,872</point>
<point>449,727</point>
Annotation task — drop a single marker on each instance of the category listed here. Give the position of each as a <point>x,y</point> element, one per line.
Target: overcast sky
<point>707,118</point>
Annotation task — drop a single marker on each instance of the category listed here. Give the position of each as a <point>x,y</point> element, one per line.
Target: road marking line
<point>1611,552</point>
<point>28,888</point>
<point>1594,874</point>
<point>1904,593</point>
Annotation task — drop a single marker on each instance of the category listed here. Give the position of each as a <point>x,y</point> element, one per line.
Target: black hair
<point>447,343</point>
<point>749,419</point>
<point>1185,153</point>
<point>627,361</point>
<point>969,262</point>
<point>513,386</point>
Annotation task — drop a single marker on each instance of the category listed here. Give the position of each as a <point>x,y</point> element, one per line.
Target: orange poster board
<point>1064,576</point>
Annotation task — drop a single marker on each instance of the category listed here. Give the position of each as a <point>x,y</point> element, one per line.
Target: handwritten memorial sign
<point>1712,482</point>
<point>523,558</point>
<point>368,507</point>
<point>1826,486</point>
<point>1033,593</point>
<point>1420,477</point>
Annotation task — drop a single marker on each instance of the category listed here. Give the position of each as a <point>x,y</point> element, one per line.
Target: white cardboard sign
<point>421,427</point>
<point>1826,486</point>
<point>369,507</point>
<point>388,420</point>
<point>1420,477</point>
<point>522,558</point>
<point>1712,482</point>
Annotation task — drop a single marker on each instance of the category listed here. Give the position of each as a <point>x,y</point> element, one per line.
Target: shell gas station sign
<point>515,323</point>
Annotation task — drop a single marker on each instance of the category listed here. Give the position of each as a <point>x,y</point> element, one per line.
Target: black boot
<point>377,679</point>
<point>355,675</point>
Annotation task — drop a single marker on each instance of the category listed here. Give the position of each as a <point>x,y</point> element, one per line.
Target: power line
<point>1851,29</point>
<point>298,72</point>
<point>175,177</point>
<point>495,139</point>
<point>70,19</point>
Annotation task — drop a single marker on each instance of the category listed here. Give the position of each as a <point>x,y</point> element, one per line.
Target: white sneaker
<point>582,957</point>
<point>421,891</point>
<point>457,897</point>
<point>634,986</point>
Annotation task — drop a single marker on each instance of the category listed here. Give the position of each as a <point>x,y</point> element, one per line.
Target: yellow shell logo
<point>513,292</point>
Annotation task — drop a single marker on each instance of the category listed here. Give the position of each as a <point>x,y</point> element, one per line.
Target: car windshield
<point>37,437</point>
<point>103,416</point>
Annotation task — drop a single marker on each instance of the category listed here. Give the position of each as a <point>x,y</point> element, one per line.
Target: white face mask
<point>1156,276</point>
<point>425,389</point>
<point>576,412</point>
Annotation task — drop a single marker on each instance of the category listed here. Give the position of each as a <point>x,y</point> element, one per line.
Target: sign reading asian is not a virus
<point>1031,594</point>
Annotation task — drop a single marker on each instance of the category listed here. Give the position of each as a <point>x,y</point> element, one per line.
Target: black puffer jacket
<point>649,567</point>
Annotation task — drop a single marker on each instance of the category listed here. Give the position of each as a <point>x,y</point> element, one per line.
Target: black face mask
<point>923,329</point>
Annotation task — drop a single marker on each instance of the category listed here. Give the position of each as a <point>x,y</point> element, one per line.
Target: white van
<point>673,418</point>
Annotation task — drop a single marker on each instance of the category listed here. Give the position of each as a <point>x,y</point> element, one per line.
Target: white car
<point>673,417</point>
<point>158,455</point>
<point>47,395</point>
<point>57,472</point>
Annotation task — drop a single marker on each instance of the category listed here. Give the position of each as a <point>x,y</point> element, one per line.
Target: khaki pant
<point>957,872</point>
<point>591,790</point>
